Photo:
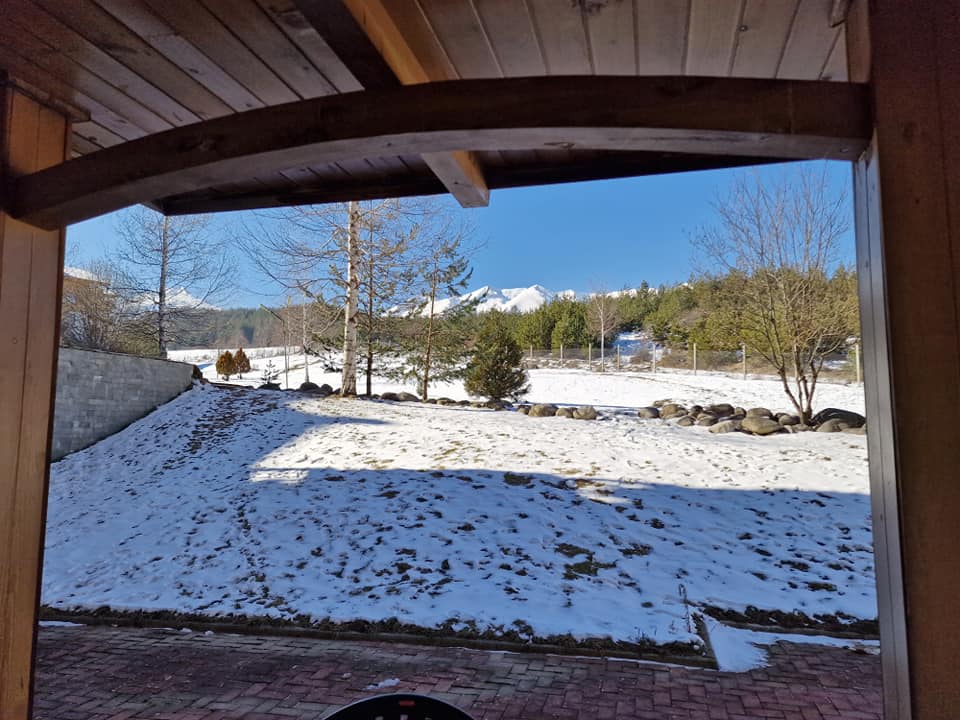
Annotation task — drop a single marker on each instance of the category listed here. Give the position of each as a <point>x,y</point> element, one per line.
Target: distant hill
<point>520,300</point>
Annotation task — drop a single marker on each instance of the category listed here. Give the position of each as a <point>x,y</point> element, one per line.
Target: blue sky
<point>579,236</point>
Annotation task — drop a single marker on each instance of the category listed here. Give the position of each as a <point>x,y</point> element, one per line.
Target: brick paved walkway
<point>96,673</point>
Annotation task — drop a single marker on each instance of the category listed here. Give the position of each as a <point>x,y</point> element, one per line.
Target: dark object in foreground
<point>395,707</point>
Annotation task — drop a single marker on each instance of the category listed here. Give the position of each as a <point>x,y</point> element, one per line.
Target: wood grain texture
<point>410,46</point>
<point>31,260</point>
<point>915,65</point>
<point>765,118</point>
<point>325,187</point>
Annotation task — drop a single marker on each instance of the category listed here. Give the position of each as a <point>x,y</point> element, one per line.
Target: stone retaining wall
<point>100,393</point>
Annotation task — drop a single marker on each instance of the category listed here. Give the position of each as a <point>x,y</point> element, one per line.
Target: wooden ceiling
<point>128,69</point>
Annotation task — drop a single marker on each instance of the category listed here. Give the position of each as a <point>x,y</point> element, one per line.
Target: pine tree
<point>226,365</point>
<point>495,370</point>
<point>241,363</point>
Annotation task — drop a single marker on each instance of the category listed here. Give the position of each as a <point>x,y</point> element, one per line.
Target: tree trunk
<point>426,357</point>
<point>348,384</point>
<point>162,290</point>
<point>370,319</point>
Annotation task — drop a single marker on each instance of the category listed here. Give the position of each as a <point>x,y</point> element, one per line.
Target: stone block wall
<point>100,393</point>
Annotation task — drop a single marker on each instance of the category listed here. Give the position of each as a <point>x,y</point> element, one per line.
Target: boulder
<point>672,409</point>
<point>523,409</point>
<point>309,386</point>
<point>270,386</point>
<point>686,421</point>
<point>696,410</point>
<point>660,403</point>
<point>725,426</point>
<point>760,425</point>
<point>720,409</point>
<point>325,390</point>
<point>407,397</point>
<point>759,412</point>
<point>739,412</point>
<point>543,410</point>
<point>495,405</point>
<point>852,419</point>
<point>706,420</point>
<point>446,401</point>
<point>463,403</point>
<point>648,412</point>
<point>862,430</point>
<point>788,419</point>
<point>564,412</point>
<point>431,401</point>
<point>832,425</point>
<point>585,412</point>
<point>390,396</point>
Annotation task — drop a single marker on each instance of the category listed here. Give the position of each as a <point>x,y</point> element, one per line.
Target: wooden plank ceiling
<point>131,68</point>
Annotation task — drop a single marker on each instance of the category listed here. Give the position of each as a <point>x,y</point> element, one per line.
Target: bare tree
<point>354,256</point>
<point>442,242</point>
<point>777,243</point>
<point>603,315</point>
<point>94,315</point>
<point>171,268</point>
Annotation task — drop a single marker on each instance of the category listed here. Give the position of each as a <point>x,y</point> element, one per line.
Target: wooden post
<point>653,357</point>
<point>694,358</point>
<point>743,349</point>
<point>561,353</point>
<point>531,352</point>
<point>907,202</point>
<point>856,357</point>
<point>618,357</point>
<point>590,355</point>
<point>32,137</point>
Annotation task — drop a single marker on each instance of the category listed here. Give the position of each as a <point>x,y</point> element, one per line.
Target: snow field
<point>278,504</point>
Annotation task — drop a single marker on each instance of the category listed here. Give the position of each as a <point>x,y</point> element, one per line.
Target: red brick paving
<point>102,673</point>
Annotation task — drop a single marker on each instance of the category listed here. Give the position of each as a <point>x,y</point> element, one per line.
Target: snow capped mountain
<point>178,298</point>
<point>521,300</point>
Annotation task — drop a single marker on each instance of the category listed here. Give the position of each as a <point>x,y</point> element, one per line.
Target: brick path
<point>96,673</point>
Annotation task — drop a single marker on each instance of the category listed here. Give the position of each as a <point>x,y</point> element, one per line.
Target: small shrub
<point>242,362</point>
<point>226,365</point>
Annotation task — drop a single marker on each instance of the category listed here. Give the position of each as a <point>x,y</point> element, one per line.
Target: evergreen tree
<point>226,365</point>
<point>241,363</point>
<point>495,370</point>
<point>570,329</point>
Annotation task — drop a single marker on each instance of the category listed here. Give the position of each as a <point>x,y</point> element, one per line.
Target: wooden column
<point>32,137</point>
<point>907,189</point>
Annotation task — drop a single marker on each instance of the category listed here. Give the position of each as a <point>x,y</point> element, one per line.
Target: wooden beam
<point>418,184</point>
<point>908,235</point>
<point>32,137</point>
<point>363,32</point>
<point>717,116</point>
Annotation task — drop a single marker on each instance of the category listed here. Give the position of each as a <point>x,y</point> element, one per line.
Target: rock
<point>564,412</point>
<point>523,409</point>
<point>543,410</point>
<point>720,409</point>
<point>431,401</point>
<point>686,421</point>
<point>788,419</point>
<point>390,396</point>
<point>759,412</point>
<point>660,403</point>
<point>446,401</point>
<point>862,430</point>
<point>495,405</point>
<point>740,412</point>
<point>706,420</point>
<point>325,390</point>
<point>672,409</point>
<point>478,404</point>
<point>463,403</point>
<point>725,426</point>
<point>309,387</point>
<point>270,386</point>
<point>407,397</point>
<point>648,412</point>
<point>852,419</point>
<point>760,425</point>
<point>696,410</point>
<point>674,415</point>
<point>585,412</point>
<point>196,373</point>
<point>832,425</point>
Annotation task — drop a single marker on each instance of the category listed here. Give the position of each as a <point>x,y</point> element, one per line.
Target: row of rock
<point>583,412</point>
<point>725,417</point>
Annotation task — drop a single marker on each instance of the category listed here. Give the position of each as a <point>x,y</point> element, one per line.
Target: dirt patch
<point>834,624</point>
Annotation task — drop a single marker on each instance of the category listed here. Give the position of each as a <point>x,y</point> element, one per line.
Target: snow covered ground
<point>280,504</point>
